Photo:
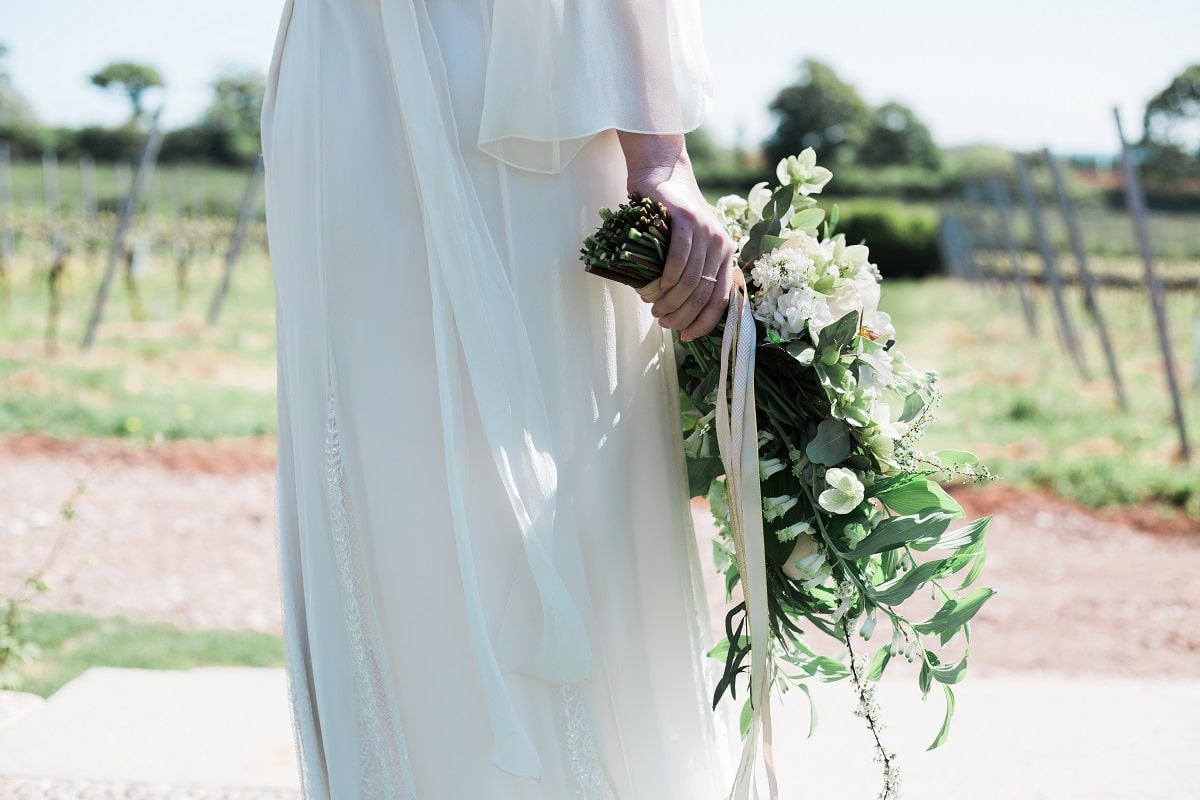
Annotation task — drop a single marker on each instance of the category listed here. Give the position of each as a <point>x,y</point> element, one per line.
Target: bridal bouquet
<point>835,526</point>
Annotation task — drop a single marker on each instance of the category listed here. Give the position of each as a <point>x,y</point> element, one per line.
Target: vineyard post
<point>981,235</point>
<point>51,199</point>
<point>128,209</point>
<point>946,245</point>
<point>1066,328</point>
<point>249,205</point>
<point>7,242</point>
<point>1003,203</point>
<point>1136,201</point>
<point>87,189</point>
<point>1085,273</point>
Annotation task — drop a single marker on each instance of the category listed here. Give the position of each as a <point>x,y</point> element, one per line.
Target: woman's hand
<point>694,289</point>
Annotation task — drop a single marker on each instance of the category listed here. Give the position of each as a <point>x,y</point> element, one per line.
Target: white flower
<point>845,491</point>
<point>757,199</point>
<point>802,172</point>
<point>731,207</point>
<point>776,507</point>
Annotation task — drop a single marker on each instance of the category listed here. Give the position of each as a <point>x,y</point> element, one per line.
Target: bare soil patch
<point>184,531</point>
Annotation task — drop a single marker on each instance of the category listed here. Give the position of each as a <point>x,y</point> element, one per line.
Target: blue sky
<point>1022,73</point>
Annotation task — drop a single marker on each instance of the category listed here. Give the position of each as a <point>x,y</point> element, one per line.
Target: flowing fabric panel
<point>561,71</point>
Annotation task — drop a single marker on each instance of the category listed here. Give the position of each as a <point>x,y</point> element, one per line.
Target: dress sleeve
<point>561,71</point>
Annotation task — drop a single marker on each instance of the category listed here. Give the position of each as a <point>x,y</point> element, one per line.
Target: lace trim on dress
<point>383,755</point>
<point>583,759</point>
<point>302,715</point>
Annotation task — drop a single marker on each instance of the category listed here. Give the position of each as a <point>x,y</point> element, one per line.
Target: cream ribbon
<point>737,437</point>
<point>475,310</point>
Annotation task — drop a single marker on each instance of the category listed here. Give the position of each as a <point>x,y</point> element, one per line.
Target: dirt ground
<point>185,532</point>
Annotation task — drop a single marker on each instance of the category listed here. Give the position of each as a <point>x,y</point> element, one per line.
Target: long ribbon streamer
<point>737,437</point>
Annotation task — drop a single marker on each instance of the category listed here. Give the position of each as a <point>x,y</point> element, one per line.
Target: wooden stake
<point>249,206</point>
<point>1003,203</point>
<point>1065,327</point>
<point>1085,274</point>
<point>128,210</point>
<point>1136,200</point>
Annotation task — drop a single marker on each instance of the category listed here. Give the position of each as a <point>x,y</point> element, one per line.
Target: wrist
<point>651,159</point>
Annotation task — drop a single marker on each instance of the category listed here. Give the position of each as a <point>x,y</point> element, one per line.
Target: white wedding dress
<point>490,579</point>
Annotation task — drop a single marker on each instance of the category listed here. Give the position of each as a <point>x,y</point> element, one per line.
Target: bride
<point>490,579</point>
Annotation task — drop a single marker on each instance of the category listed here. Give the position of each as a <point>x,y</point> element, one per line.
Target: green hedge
<point>902,238</point>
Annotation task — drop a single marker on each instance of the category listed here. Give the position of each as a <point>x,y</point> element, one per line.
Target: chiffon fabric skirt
<point>386,693</point>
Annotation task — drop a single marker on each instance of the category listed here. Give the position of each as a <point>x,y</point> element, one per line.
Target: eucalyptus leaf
<point>808,219</point>
<point>841,333</point>
<point>831,445</point>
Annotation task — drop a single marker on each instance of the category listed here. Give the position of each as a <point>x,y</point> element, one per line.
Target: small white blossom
<point>792,531</point>
<point>769,467</point>
<point>776,507</point>
<point>802,172</point>
<point>845,491</point>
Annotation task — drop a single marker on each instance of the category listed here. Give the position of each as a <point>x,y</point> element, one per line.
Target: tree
<point>15,110</point>
<point>898,137</point>
<point>235,112</point>
<point>132,78</point>
<point>1171,129</point>
<point>820,111</point>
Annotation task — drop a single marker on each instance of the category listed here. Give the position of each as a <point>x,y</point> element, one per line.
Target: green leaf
<point>879,663</point>
<point>812,709</point>
<point>919,497</point>
<point>831,445</point>
<point>959,537</point>
<point>976,569</point>
<point>807,220</point>
<point>770,243</point>
<point>721,651</point>
<point>944,733</point>
<point>746,718</point>
<point>826,669</point>
<point>925,680</point>
<point>955,613</point>
<point>897,591</point>
<point>840,333</point>
<point>701,473</point>
<point>898,531</point>
<point>951,673</point>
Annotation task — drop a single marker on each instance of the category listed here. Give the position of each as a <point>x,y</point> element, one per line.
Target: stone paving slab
<point>14,705</point>
<point>224,734</point>
<point>206,727</point>
<point>41,789</point>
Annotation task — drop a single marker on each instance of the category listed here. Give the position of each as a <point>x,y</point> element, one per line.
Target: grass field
<point>69,643</point>
<point>1013,397</point>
